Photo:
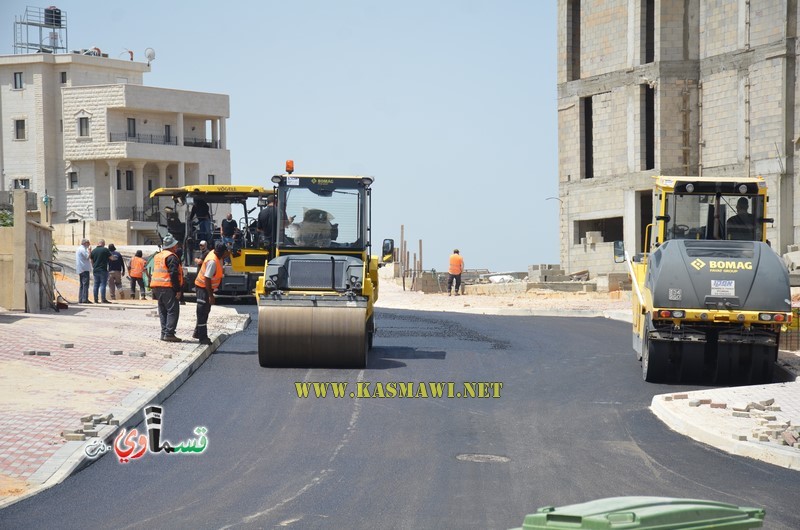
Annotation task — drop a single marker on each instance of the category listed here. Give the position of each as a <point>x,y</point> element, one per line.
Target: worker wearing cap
<point>455,270</point>
<point>208,280</point>
<point>166,283</point>
<point>204,250</point>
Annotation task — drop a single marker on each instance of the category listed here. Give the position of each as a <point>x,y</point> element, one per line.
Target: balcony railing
<point>200,142</point>
<point>160,139</point>
<point>157,139</point>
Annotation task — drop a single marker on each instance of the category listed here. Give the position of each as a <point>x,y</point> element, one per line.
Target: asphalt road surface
<point>569,424</point>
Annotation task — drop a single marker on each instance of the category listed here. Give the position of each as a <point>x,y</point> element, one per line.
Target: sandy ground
<point>392,296</point>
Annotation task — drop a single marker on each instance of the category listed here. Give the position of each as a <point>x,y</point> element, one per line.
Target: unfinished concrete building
<point>670,87</point>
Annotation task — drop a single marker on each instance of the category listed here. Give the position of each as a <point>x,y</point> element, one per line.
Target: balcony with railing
<point>160,139</point>
<point>156,139</point>
<point>200,142</point>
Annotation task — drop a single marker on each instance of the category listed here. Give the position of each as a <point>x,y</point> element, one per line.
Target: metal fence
<point>158,139</point>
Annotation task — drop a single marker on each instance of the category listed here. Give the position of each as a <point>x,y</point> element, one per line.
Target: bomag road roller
<point>317,295</point>
<point>711,296</point>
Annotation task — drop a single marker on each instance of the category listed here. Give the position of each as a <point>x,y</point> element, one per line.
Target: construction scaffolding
<point>41,30</point>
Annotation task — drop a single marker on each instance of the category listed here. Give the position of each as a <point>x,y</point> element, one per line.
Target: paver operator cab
<point>710,295</point>
<point>177,207</point>
<point>316,297</point>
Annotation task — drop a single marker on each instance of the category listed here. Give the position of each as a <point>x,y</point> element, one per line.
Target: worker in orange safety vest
<point>209,278</point>
<point>455,270</point>
<point>166,283</point>
<point>136,271</point>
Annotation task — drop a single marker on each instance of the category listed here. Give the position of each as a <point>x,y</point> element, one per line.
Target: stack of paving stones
<point>92,424</point>
<point>771,426</point>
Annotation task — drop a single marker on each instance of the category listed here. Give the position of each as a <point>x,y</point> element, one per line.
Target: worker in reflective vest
<point>166,283</point>
<point>208,280</point>
<point>454,272</point>
<point>136,272</point>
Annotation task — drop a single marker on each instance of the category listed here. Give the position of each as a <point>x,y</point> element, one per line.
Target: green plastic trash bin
<point>640,513</point>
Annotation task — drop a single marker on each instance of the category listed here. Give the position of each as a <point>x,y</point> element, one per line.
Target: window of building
<point>19,129</point>
<point>212,179</point>
<point>83,126</point>
<point>119,179</point>
<point>649,127</point>
<point>167,133</point>
<point>587,160</point>
<point>610,229</point>
<point>18,80</point>
<point>73,180</point>
<point>149,184</point>
<point>131,127</point>
<point>129,179</point>
<point>63,78</point>
<point>22,184</point>
<point>649,27</point>
<point>573,40</point>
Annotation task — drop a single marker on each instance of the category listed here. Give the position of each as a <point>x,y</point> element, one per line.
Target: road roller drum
<point>309,335</point>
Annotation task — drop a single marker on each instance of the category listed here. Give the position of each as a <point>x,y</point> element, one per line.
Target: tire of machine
<point>306,337</point>
<point>762,364</point>
<point>654,367</point>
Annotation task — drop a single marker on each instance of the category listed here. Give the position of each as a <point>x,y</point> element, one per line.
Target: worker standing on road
<point>455,270</point>
<point>166,284</point>
<point>99,257</point>
<point>208,280</point>
<point>116,268</point>
<point>136,271</point>
<point>83,266</point>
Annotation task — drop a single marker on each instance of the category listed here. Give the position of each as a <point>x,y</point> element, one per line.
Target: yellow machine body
<point>317,294</point>
<point>710,296</point>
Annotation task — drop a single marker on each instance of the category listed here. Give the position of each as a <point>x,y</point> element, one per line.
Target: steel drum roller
<point>311,336</point>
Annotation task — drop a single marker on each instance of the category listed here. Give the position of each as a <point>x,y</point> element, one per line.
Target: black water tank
<point>52,17</point>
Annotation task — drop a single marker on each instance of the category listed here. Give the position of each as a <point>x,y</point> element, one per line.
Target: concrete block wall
<point>766,109</point>
<point>763,26</point>
<point>117,232</point>
<point>720,116</point>
<point>604,41</point>
<point>719,27</point>
<point>91,102</point>
<point>676,38</point>
<point>720,75</point>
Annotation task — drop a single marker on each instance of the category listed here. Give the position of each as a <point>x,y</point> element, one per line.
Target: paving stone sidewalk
<point>102,360</point>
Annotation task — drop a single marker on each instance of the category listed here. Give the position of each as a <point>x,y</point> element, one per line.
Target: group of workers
<point>167,283</point>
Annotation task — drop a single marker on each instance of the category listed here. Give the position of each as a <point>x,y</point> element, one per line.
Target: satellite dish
<point>150,54</point>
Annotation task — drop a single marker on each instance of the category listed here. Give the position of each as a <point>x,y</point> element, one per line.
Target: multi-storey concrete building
<point>671,87</point>
<point>82,129</point>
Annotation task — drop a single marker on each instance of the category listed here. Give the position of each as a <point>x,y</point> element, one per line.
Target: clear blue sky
<point>449,104</point>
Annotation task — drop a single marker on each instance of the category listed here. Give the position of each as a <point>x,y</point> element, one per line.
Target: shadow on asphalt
<point>404,352</point>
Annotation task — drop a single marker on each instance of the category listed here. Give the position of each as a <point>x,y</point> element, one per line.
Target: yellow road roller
<point>316,297</point>
<point>710,295</point>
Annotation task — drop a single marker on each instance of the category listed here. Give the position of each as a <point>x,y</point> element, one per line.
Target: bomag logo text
<point>730,265</point>
<point>321,182</point>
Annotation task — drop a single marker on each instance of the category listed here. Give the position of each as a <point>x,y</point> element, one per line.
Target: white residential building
<point>85,132</point>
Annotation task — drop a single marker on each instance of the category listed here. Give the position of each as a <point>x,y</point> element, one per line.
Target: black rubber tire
<point>654,368</point>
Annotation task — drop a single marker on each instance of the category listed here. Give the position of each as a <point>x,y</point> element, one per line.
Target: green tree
<point>6,218</point>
